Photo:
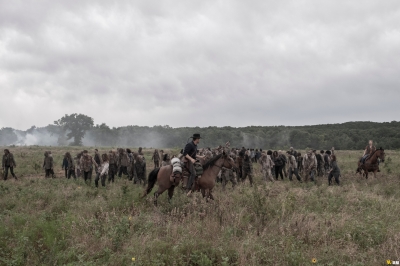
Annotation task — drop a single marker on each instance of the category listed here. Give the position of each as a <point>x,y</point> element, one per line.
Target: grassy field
<point>65,222</point>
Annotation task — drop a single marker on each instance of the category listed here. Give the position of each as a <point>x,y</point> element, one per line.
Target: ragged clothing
<point>87,162</point>
<point>292,162</point>
<point>8,160</point>
<point>123,159</point>
<point>103,168</point>
<point>309,162</point>
<point>48,162</point>
<point>266,162</point>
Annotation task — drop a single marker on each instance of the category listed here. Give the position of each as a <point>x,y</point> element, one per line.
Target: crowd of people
<point>274,165</point>
<point>104,167</point>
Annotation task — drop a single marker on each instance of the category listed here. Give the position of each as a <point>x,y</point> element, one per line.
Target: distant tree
<point>76,126</point>
<point>102,135</point>
<point>7,136</point>
<point>59,131</point>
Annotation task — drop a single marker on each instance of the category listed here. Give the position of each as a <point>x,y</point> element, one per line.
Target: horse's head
<point>229,163</point>
<point>381,154</point>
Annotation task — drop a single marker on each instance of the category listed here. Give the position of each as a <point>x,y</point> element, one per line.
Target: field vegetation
<point>66,222</point>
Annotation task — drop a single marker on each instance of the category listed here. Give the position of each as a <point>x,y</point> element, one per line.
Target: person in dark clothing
<point>258,155</point>
<point>320,162</point>
<point>247,168</point>
<point>97,157</point>
<point>190,155</point>
<point>70,165</point>
<point>278,165</point>
<point>284,160</point>
<point>327,162</point>
<point>48,164</point>
<point>112,171</point>
<point>292,163</point>
<point>8,163</point>
<point>65,165</point>
<point>335,171</point>
<point>299,161</point>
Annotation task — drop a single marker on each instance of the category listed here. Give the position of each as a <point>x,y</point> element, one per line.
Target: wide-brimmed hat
<point>196,136</point>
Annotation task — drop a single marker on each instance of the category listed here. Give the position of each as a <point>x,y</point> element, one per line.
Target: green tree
<point>76,126</point>
<point>7,136</point>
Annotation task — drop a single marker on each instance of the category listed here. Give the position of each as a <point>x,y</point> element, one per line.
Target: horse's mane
<point>380,149</point>
<point>212,161</point>
<point>372,154</point>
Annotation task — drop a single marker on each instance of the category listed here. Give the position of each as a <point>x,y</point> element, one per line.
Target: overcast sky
<point>199,63</point>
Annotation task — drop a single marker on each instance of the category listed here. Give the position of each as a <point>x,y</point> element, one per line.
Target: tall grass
<point>66,222</point>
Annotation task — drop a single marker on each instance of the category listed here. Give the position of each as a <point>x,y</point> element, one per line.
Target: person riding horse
<point>369,150</point>
<point>190,156</point>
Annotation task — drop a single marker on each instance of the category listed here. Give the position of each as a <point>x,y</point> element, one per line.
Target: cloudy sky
<point>199,63</point>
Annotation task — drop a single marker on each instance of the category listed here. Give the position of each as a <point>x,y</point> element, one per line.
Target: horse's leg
<point>170,193</point>
<point>210,194</point>
<point>158,193</point>
<point>207,194</point>
<point>203,192</point>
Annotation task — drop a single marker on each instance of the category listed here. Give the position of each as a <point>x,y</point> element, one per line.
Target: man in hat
<point>190,156</point>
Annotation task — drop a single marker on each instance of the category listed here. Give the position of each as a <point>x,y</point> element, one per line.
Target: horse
<point>371,164</point>
<point>206,183</point>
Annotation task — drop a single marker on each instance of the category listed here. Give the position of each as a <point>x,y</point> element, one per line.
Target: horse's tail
<point>151,181</point>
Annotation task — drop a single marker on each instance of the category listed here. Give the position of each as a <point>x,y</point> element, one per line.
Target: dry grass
<point>59,221</point>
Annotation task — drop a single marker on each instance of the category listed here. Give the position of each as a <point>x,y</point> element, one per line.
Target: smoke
<point>266,140</point>
<point>148,139</point>
<point>252,141</point>
<point>39,137</point>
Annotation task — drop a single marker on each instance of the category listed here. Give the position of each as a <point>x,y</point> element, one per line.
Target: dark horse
<point>206,183</point>
<point>371,164</point>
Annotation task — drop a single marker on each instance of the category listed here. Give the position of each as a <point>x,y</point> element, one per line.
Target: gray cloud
<point>202,63</point>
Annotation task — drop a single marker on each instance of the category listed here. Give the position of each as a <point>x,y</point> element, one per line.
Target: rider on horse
<point>369,150</point>
<point>190,156</point>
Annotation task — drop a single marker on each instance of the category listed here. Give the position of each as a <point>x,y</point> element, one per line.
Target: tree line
<point>79,129</point>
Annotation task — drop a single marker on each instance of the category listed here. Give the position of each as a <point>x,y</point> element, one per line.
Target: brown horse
<point>371,164</point>
<point>206,183</point>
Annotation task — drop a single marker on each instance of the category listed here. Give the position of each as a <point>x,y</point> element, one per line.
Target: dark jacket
<point>71,164</point>
<point>247,164</point>
<point>65,163</point>
<point>97,158</point>
<point>48,162</point>
<point>278,161</point>
<point>190,149</point>
<point>8,160</point>
<point>335,169</point>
